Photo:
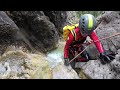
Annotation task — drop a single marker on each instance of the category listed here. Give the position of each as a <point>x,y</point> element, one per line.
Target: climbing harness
<point>94,42</point>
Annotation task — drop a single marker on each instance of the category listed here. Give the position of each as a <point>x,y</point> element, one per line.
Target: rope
<point>78,55</point>
<point>94,42</point>
<point>107,37</point>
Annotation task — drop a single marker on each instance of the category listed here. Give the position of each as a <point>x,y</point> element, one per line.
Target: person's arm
<point>98,44</point>
<point>103,57</point>
<point>68,43</point>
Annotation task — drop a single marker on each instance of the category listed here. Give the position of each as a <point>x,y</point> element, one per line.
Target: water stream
<point>56,56</point>
<point>21,33</point>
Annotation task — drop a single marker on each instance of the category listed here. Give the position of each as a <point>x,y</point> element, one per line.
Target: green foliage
<point>95,13</point>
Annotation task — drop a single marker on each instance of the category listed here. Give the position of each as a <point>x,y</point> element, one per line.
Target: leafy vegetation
<point>95,13</point>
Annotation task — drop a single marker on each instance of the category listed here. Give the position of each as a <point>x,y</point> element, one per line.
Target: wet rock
<point>8,31</point>
<point>60,71</point>
<point>111,27</point>
<point>63,72</point>
<point>37,28</point>
<point>6,24</point>
<point>108,25</point>
<point>20,65</point>
<point>95,70</point>
<point>58,18</point>
<point>16,64</point>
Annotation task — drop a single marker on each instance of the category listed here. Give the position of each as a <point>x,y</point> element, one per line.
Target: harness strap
<point>73,33</point>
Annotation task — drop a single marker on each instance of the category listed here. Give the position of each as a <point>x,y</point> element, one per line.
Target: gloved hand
<point>111,56</point>
<point>66,61</point>
<point>104,58</point>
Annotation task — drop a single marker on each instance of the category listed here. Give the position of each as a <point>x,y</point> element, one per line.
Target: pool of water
<point>56,56</point>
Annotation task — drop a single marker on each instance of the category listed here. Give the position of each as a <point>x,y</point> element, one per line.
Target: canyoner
<point>89,43</point>
<point>74,49</point>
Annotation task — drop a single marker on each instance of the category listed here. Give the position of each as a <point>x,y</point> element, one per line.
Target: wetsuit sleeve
<point>98,44</point>
<point>67,45</point>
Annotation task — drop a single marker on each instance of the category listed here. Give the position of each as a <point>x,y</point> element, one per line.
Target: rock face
<point>8,31</point>
<point>7,26</point>
<point>40,31</point>
<point>63,72</point>
<point>20,65</point>
<point>58,18</point>
<point>108,24</point>
<point>95,70</point>
<point>60,71</point>
<point>16,64</point>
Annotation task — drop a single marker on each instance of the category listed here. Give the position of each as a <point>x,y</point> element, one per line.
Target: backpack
<point>67,29</point>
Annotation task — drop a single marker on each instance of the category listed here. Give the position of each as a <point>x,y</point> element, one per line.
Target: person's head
<point>87,24</point>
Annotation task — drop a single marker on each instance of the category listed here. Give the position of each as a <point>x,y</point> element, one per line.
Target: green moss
<point>82,75</point>
<point>42,73</point>
<point>34,65</point>
<point>13,54</point>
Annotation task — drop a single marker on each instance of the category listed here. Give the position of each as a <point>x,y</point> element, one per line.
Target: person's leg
<point>84,55</point>
<point>71,56</point>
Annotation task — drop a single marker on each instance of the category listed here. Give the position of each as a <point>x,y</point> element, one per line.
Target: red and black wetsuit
<point>81,39</point>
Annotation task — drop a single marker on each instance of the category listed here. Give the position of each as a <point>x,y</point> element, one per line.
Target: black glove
<point>66,61</point>
<point>104,58</point>
<point>111,56</point>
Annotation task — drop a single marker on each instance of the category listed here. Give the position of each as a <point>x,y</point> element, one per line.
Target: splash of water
<point>22,34</point>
